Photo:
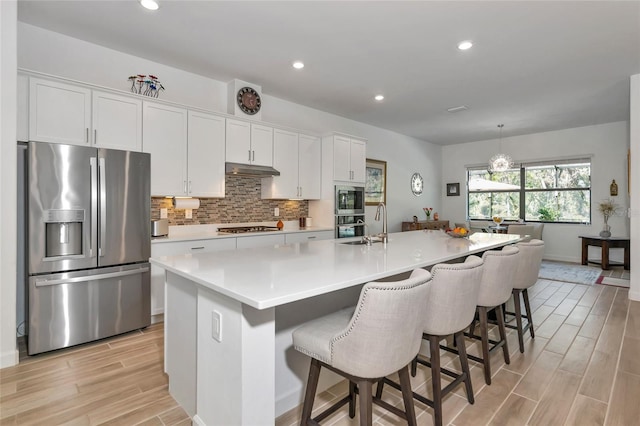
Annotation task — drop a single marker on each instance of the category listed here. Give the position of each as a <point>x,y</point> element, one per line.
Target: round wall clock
<point>416,184</point>
<point>249,100</point>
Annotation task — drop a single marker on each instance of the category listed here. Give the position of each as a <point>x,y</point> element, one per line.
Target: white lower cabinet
<point>260,240</point>
<point>176,248</point>
<point>306,237</point>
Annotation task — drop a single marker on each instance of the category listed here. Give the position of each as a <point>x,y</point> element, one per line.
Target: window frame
<point>524,191</point>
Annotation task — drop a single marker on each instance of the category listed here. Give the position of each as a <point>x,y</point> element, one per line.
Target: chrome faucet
<point>366,238</point>
<point>383,235</point>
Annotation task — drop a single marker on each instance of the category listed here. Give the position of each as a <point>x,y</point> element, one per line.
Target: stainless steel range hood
<point>253,170</point>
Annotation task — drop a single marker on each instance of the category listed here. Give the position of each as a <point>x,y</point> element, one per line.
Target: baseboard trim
<point>198,421</point>
<point>9,358</point>
<point>634,295</point>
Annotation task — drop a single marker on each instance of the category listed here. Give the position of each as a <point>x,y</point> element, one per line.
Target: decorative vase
<point>606,231</point>
<point>435,216</point>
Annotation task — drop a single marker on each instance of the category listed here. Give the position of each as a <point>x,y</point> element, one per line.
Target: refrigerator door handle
<point>45,282</point>
<point>103,205</point>
<point>93,215</point>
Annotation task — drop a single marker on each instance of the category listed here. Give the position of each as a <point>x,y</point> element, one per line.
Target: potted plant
<point>607,208</point>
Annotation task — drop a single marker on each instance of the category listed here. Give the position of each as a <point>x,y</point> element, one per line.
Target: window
<point>557,191</point>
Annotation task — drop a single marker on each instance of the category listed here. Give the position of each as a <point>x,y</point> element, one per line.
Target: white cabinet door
<point>206,155</point>
<point>176,248</point>
<point>285,160</point>
<point>341,158</point>
<point>309,167</point>
<point>306,237</point>
<point>22,92</point>
<point>261,145</point>
<point>59,112</point>
<point>260,241</point>
<point>165,138</point>
<point>358,159</point>
<point>117,121</point>
<point>238,144</point>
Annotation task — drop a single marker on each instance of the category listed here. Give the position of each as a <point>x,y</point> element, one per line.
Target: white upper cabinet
<point>349,159</point>
<point>206,155</point>
<point>72,114</point>
<point>297,158</point>
<point>117,121</point>
<point>165,138</point>
<point>249,143</point>
<point>59,112</point>
<point>285,160</point>
<point>261,145</point>
<point>309,164</point>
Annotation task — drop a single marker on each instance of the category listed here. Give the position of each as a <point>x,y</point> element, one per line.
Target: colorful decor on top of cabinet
<point>147,85</point>
<point>427,211</point>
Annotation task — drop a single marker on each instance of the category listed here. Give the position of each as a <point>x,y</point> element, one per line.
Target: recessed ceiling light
<point>149,4</point>
<point>464,45</point>
<point>458,108</point>
<point>298,65</point>
<point>379,97</point>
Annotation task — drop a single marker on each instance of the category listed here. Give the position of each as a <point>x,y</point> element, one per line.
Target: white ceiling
<point>535,66</point>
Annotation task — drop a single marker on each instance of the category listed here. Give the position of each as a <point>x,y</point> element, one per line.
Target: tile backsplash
<point>241,204</point>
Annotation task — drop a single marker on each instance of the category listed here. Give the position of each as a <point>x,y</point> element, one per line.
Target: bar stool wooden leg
<point>464,363</point>
<point>527,307</point>
<point>518,312</point>
<point>310,393</point>
<point>484,335</point>
<point>366,412</point>
<point>436,383</point>
<point>352,400</point>
<point>407,396</point>
<point>503,333</point>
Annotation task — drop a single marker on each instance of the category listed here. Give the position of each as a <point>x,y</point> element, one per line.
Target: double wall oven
<point>349,211</point>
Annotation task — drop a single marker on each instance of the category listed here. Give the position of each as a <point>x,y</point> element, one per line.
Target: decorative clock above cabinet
<point>244,99</point>
<point>417,184</point>
<point>249,100</point>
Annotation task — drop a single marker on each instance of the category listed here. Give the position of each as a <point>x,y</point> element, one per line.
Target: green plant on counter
<point>548,215</point>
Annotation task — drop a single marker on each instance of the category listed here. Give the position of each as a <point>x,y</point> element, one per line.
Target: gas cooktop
<point>245,229</point>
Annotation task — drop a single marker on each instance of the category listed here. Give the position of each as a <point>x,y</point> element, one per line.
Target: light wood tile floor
<point>582,368</point>
<point>116,381</point>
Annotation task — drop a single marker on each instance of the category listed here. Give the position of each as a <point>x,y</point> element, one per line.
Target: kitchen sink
<point>359,242</point>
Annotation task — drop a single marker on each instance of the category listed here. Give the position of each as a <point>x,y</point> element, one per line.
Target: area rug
<point>615,276</point>
<point>569,272</point>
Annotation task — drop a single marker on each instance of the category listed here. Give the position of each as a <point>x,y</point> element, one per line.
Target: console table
<point>606,244</point>
<point>425,224</point>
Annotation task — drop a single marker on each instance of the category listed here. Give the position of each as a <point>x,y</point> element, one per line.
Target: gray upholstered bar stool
<point>449,309</point>
<point>498,273</point>
<point>380,338</point>
<point>530,259</point>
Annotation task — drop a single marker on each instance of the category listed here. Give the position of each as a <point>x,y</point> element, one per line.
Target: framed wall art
<point>375,188</point>
<point>453,189</point>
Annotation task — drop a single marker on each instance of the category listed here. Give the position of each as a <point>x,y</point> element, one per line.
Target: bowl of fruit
<point>458,232</point>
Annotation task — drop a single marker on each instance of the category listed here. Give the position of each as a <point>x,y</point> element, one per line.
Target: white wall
<point>634,142</point>
<point>8,352</point>
<point>606,143</point>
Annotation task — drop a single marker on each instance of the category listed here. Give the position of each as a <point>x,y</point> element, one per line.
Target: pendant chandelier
<point>500,162</point>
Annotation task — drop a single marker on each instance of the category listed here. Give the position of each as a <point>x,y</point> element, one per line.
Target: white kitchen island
<point>229,315</point>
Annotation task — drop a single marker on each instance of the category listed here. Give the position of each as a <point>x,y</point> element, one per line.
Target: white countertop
<point>272,276</point>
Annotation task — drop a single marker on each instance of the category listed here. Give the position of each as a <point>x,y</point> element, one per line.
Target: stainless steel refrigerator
<point>88,236</point>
